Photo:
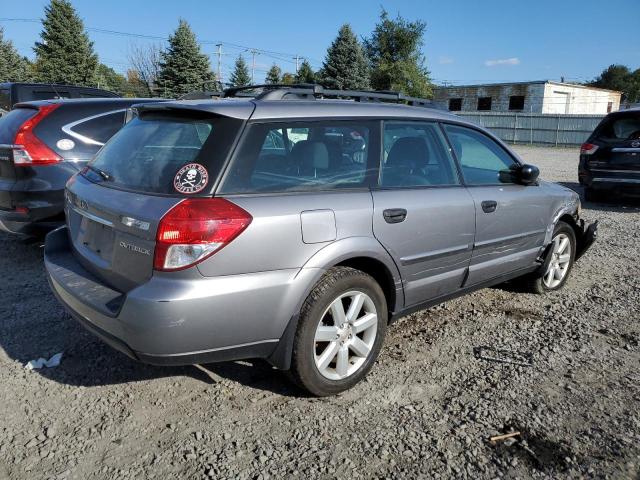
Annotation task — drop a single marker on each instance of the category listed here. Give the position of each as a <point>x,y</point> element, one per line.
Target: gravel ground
<point>568,381</point>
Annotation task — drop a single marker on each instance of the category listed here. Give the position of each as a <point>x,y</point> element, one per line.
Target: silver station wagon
<point>295,225</point>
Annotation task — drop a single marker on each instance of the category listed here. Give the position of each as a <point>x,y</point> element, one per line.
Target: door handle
<point>489,206</point>
<point>394,215</point>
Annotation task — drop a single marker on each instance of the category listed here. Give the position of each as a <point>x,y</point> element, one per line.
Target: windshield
<point>150,153</point>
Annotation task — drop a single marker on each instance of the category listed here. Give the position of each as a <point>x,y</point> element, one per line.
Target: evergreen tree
<point>13,67</point>
<point>183,68</point>
<point>240,76</point>
<point>305,73</point>
<point>345,66</point>
<point>65,54</point>
<point>274,75</point>
<point>395,56</point>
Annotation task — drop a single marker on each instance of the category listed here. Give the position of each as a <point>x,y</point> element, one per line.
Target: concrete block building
<point>542,96</point>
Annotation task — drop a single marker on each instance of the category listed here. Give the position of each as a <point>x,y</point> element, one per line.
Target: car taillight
<point>588,149</point>
<point>195,229</point>
<point>30,150</point>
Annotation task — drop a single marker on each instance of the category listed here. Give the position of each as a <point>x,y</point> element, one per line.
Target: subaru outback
<point>294,227</point>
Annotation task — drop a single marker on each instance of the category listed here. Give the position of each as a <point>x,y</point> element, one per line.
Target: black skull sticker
<point>192,178</point>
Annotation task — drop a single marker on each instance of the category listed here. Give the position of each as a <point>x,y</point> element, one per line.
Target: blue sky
<point>466,41</point>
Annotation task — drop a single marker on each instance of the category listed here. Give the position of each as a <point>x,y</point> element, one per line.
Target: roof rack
<point>314,91</point>
<point>304,91</point>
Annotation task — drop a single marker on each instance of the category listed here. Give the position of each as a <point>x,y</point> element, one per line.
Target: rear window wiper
<point>105,176</point>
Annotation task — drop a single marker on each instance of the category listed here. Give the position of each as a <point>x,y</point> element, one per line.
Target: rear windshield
<point>621,128</point>
<point>10,122</point>
<point>149,152</point>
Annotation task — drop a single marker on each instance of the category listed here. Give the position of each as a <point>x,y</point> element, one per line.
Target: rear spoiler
<point>228,108</point>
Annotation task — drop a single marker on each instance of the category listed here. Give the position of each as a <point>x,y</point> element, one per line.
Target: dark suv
<point>12,93</point>
<point>610,158</point>
<point>41,145</point>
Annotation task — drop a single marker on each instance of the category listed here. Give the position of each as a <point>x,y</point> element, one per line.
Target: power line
<point>283,56</point>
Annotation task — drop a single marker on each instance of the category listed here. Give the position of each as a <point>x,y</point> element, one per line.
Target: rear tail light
<point>588,149</point>
<point>195,229</point>
<point>30,150</point>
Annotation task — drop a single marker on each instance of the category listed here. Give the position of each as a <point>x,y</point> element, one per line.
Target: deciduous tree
<point>395,56</point>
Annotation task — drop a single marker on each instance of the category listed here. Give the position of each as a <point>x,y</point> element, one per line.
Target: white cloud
<point>502,61</point>
<point>445,60</point>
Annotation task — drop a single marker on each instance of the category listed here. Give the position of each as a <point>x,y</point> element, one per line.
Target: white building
<point>542,96</point>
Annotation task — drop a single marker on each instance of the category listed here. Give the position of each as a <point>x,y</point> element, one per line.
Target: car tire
<point>559,267</point>
<point>592,195</point>
<point>337,341</point>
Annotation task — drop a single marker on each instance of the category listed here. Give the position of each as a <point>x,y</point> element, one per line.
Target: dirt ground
<point>562,369</point>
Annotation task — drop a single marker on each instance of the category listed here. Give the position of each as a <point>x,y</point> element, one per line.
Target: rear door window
<point>98,129</point>
<point>300,156</point>
<point>147,153</point>
<point>415,155</point>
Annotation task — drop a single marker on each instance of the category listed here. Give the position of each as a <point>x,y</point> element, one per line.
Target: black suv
<point>12,93</point>
<point>41,145</point>
<point>610,158</point>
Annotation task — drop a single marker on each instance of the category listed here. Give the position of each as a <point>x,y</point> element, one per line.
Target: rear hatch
<point>115,204</point>
<point>618,144</point>
<point>9,126</point>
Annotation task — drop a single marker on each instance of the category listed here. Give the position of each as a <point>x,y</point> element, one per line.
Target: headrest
<point>311,154</point>
<point>409,152</point>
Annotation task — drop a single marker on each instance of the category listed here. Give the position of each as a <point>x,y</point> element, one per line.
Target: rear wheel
<point>341,331</point>
<point>562,256</point>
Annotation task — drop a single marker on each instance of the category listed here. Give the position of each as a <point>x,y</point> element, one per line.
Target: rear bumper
<point>32,222</point>
<point>33,201</point>
<point>173,321</point>
<point>610,179</point>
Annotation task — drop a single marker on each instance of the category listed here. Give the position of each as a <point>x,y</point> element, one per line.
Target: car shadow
<point>614,203</point>
<point>34,325</point>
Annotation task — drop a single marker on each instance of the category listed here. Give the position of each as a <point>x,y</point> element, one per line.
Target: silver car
<point>294,227</point>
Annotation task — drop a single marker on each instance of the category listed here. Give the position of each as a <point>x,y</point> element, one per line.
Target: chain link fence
<point>537,128</point>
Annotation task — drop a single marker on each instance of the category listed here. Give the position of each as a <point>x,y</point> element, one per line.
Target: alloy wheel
<point>345,335</point>
<point>560,261</point>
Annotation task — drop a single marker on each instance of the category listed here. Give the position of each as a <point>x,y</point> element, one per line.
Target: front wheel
<point>341,331</point>
<point>562,256</point>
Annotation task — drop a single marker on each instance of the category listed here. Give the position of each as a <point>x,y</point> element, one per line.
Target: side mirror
<point>522,174</point>
<point>528,174</point>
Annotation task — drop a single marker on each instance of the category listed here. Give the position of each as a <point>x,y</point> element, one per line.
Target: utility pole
<point>297,62</point>
<point>219,53</point>
<point>253,66</point>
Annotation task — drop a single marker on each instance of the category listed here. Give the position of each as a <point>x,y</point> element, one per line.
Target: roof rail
<point>306,91</point>
<point>315,91</point>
